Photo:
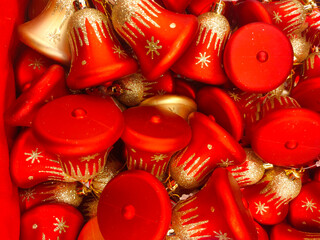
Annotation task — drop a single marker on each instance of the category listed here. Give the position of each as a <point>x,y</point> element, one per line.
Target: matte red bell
<point>313,29</point>
<point>304,212</point>
<point>79,133</point>
<point>203,59</point>
<point>97,56</point>
<point>50,86</point>
<point>211,146</point>
<point>284,231</point>
<point>29,66</point>
<point>250,172</point>
<point>152,135</point>
<point>258,57</point>
<point>311,66</point>
<point>134,205</point>
<point>49,192</point>
<point>268,200</point>
<point>176,5</point>
<point>157,36</point>
<point>290,131</point>
<point>215,212</point>
<point>31,164</point>
<point>51,221</point>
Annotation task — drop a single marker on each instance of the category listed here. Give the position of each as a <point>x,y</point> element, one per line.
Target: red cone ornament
<point>290,131</point>
<point>203,59</point>
<point>284,231</point>
<point>304,211</point>
<point>157,36</point>
<point>176,5</point>
<point>29,66</point>
<point>51,221</point>
<point>215,212</point>
<point>211,146</point>
<point>49,192</point>
<point>76,130</point>
<point>47,33</point>
<point>258,57</point>
<point>268,200</point>
<point>50,86</point>
<point>134,205</point>
<point>97,56</point>
<point>250,172</point>
<point>31,164</point>
<point>152,135</point>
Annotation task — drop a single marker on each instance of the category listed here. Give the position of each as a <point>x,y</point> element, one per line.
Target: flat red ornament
<point>288,137</point>
<point>134,205</point>
<point>50,86</point>
<point>80,129</point>
<point>258,57</point>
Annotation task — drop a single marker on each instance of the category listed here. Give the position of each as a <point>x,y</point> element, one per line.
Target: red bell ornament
<point>51,221</point>
<point>215,212</point>
<point>132,90</point>
<point>290,131</point>
<point>31,164</point>
<point>134,205</point>
<point>313,30</point>
<point>49,192</point>
<point>29,66</point>
<point>79,133</point>
<point>97,56</point>
<point>211,146</point>
<point>157,36</point>
<point>311,66</point>
<point>250,172</point>
<point>50,86</point>
<point>304,211</point>
<point>152,135</point>
<point>176,5</point>
<point>284,231</point>
<point>268,199</point>
<point>47,33</point>
<point>203,59</point>
<point>258,57</point>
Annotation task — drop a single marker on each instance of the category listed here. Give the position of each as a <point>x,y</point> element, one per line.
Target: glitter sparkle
<point>60,225</point>
<point>158,158</point>
<point>34,156</point>
<point>309,205</point>
<point>119,51</point>
<point>221,236</point>
<point>153,47</point>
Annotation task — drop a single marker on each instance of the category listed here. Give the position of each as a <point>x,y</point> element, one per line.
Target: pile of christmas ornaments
<point>172,119</point>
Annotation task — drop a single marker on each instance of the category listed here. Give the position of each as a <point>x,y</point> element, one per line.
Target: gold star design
<point>60,225</point>
<point>221,236</point>
<point>119,51</point>
<point>153,47</point>
<point>261,208</point>
<point>203,59</point>
<point>158,158</point>
<point>161,92</point>
<point>234,96</point>
<point>34,156</point>
<point>309,205</point>
<point>28,194</point>
<point>54,36</point>
<point>225,163</point>
<point>36,63</point>
<point>277,17</point>
<point>89,157</point>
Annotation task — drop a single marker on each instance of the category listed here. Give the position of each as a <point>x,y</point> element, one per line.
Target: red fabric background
<point>11,14</point>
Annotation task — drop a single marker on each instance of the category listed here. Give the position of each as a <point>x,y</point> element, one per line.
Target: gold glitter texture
<point>309,63</point>
<point>127,15</point>
<point>301,47</point>
<point>215,28</point>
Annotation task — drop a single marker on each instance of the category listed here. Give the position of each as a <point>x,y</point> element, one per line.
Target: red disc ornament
<point>134,205</point>
<point>284,231</point>
<point>211,146</point>
<point>79,129</point>
<point>31,164</point>
<point>303,212</point>
<point>215,212</point>
<point>258,57</point>
<point>96,54</point>
<point>50,86</point>
<point>51,221</point>
<point>152,135</point>
<point>157,36</point>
